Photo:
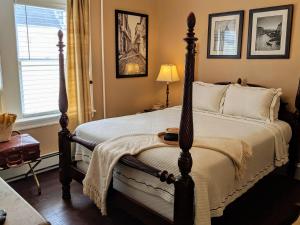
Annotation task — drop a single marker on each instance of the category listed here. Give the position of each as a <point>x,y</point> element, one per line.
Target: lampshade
<point>168,73</point>
<point>132,68</point>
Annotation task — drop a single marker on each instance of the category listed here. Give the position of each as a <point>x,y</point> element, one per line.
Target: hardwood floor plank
<point>272,201</point>
<point>79,211</point>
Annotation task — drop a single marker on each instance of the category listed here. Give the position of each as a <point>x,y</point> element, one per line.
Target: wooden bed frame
<point>184,184</point>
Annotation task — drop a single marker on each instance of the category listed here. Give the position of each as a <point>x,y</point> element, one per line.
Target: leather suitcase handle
<point>14,160</point>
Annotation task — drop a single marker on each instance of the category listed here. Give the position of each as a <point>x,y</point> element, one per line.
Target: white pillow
<point>208,97</point>
<point>252,102</point>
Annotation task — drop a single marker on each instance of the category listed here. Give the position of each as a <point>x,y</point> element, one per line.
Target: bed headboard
<point>292,118</point>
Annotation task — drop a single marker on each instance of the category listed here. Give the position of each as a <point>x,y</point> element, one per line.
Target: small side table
<point>21,149</point>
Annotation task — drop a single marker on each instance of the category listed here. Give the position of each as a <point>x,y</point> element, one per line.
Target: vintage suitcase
<point>19,149</point>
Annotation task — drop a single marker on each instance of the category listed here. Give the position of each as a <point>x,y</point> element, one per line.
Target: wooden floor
<point>277,204</point>
<point>79,211</point>
<point>273,201</point>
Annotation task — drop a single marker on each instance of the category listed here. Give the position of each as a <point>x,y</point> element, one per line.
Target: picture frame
<point>225,32</point>
<point>269,34</point>
<point>131,44</point>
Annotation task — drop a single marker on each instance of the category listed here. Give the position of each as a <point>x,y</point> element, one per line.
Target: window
<point>36,31</point>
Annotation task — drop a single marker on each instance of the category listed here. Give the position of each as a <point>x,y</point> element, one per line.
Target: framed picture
<point>131,44</point>
<point>269,34</point>
<point>225,31</point>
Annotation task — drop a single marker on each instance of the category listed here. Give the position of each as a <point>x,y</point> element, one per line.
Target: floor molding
<point>49,162</point>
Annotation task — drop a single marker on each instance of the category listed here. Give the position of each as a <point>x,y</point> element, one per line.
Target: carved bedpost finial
<point>60,35</point>
<point>191,21</point>
<point>184,185</point>
<point>60,44</point>
<point>191,39</point>
<point>239,81</point>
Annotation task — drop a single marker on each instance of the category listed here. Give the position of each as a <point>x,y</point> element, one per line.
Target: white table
<point>19,212</point>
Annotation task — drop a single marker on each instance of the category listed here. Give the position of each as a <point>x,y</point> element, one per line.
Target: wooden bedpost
<point>296,135</point>
<point>184,185</point>
<point>64,133</point>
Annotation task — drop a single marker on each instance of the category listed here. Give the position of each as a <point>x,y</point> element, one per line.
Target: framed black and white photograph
<point>131,44</point>
<point>225,31</point>
<point>270,32</point>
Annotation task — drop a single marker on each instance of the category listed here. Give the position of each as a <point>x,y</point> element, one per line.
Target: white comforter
<point>268,141</point>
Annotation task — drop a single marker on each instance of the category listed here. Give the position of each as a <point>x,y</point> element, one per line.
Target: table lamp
<point>168,73</point>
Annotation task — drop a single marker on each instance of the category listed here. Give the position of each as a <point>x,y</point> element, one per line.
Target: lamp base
<point>167,93</point>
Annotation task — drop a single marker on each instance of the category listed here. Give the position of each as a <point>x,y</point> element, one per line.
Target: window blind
<point>55,4</point>
<point>36,29</point>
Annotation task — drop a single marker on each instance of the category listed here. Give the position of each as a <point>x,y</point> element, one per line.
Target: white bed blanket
<point>206,124</point>
<point>268,141</point>
<point>107,154</point>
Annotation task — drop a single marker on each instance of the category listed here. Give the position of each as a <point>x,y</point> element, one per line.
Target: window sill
<point>36,122</point>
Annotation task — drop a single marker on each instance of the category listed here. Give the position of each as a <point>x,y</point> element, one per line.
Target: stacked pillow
<point>208,97</point>
<point>238,101</point>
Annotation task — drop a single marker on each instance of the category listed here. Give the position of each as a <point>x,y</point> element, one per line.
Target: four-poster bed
<point>184,186</point>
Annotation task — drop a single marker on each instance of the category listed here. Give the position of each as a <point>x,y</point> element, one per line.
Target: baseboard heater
<point>49,162</point>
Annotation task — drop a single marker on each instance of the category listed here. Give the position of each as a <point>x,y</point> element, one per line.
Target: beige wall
<point>273,73</point>
<point>47,136</point>
<point>128,96</point>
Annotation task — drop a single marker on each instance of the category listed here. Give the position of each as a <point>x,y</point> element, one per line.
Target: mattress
<point>269,142</point>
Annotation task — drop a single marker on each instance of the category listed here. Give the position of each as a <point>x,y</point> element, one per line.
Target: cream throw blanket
<point>107,154</point>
